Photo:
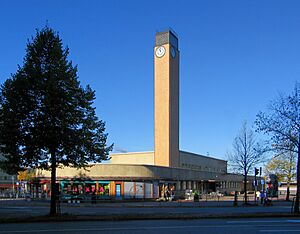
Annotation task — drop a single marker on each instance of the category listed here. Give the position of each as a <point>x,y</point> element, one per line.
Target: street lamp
<point>13,184</point>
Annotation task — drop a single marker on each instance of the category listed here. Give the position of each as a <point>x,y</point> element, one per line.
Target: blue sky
<point>235,57</point>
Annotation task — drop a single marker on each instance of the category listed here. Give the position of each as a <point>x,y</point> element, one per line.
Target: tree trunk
<point>296,207</point>
<point>287,198</point>
<point>53,184</point>
<point>245,189</point>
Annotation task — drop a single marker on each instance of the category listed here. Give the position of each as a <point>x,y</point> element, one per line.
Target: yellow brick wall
<point>166,109</point>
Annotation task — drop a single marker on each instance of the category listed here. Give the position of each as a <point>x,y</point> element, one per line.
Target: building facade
<point>151,174</point>
<point>8,183</point>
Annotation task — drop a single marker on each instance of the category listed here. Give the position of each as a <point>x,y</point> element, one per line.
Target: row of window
<point>5,178</point>
<point>228,184</point>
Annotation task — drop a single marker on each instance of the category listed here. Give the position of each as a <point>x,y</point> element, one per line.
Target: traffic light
<point>256,171</point>
<point>260,169</point>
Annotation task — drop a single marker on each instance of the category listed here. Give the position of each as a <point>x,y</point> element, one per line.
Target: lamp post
<point>13,184</point>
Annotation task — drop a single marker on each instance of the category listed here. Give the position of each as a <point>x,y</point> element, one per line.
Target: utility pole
<point>13,184</point>
<point>256,171</point>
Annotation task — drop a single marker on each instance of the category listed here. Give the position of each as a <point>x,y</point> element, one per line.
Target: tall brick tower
<point>166,99</point>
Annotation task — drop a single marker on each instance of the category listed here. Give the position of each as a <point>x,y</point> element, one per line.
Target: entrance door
<point>118,190</point>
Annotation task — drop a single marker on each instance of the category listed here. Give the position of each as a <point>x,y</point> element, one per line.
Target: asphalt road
<point>232,226</point>
<point>23,209</point>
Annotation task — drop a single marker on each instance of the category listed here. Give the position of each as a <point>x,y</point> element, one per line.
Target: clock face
<point>173,52</point>
<point>160,51</point>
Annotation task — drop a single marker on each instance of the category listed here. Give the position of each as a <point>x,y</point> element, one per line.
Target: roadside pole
<point>256,172</point>
<point>13,185</point>
<point>255,186</point>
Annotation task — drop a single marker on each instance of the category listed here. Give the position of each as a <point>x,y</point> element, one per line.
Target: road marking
<point>294,221</point>
<point>265,221</point>
<point>256,221</point>
<point>280,231</point>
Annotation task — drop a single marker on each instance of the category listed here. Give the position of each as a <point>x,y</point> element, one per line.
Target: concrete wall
<point>202,163</point>
<point>131,173</point>
<point>140,158</point>
<point>187,161</point>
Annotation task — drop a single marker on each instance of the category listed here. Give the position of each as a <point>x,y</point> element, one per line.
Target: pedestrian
<point>172,195</point>
<point>168,194</point>
<point>257,195</point>
<point>262,197</point>
<point>266,200</point>
<point>164,191</point>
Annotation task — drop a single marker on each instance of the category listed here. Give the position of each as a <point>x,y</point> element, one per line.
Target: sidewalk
<point>35,211</point>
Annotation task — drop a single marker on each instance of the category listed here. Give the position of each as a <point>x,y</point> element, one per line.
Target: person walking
<point>262,197</point>
<point>257,196</point>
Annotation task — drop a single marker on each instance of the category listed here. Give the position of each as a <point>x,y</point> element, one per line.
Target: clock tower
<point>166,99</point>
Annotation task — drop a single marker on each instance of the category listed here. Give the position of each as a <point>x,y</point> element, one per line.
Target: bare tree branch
<point>246,153</point>
<point>282,124</point>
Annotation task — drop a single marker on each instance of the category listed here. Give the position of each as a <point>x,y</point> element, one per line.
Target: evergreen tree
<point>46,117</point>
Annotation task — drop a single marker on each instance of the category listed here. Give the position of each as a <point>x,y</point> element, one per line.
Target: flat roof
<point>141,152</point>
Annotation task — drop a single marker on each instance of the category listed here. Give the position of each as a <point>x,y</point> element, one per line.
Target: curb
<point>126,217</point>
